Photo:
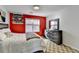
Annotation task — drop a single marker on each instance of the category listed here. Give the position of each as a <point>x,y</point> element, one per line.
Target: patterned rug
<point>54,48</point>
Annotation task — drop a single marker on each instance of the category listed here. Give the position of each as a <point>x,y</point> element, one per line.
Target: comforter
<point>18,44</point>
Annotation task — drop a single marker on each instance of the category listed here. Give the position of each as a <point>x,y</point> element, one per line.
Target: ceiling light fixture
<point>36,7</point>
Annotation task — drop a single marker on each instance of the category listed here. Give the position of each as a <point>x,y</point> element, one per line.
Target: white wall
<point>69,23</point>
<point>48,18</point>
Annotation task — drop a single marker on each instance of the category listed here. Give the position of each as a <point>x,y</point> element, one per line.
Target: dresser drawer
<point>55,36</point>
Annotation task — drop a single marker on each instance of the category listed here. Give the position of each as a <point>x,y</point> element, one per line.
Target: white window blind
<point>32,25</point>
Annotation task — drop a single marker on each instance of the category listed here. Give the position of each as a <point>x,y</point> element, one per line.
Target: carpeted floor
<point>50,48</point>
<point>54,48</point>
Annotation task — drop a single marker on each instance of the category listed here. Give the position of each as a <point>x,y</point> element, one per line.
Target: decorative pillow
<point>2,36</point>
<point>8,34</point>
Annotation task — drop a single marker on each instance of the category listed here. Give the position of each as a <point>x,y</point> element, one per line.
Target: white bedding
<point>22,46</point>
<point>13,43</point>
<point>16,43</point>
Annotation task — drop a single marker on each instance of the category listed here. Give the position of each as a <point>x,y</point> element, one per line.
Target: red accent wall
<point>16,28</point>
<point>20,28</point>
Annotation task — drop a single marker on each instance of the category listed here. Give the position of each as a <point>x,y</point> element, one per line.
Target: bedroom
<point>25,28</point>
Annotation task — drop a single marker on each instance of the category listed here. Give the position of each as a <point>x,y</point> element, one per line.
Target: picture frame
<point>54,24</point>
<point>17,19</point>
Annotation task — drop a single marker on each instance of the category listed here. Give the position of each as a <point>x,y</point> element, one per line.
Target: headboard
<point>2,26</point>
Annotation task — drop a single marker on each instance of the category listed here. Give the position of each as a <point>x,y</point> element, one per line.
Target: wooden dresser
<point>55,36</point>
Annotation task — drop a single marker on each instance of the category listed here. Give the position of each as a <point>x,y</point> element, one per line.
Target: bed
<point>18,43</point>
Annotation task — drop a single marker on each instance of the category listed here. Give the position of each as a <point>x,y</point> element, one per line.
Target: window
<point>32,25</point>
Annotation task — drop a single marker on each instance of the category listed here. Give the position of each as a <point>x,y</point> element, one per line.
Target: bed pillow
<point>2,36</point>
<point>6,30</point>
<point>8,34</point>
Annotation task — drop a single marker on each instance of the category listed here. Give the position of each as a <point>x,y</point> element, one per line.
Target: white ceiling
<point>28,9</point>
